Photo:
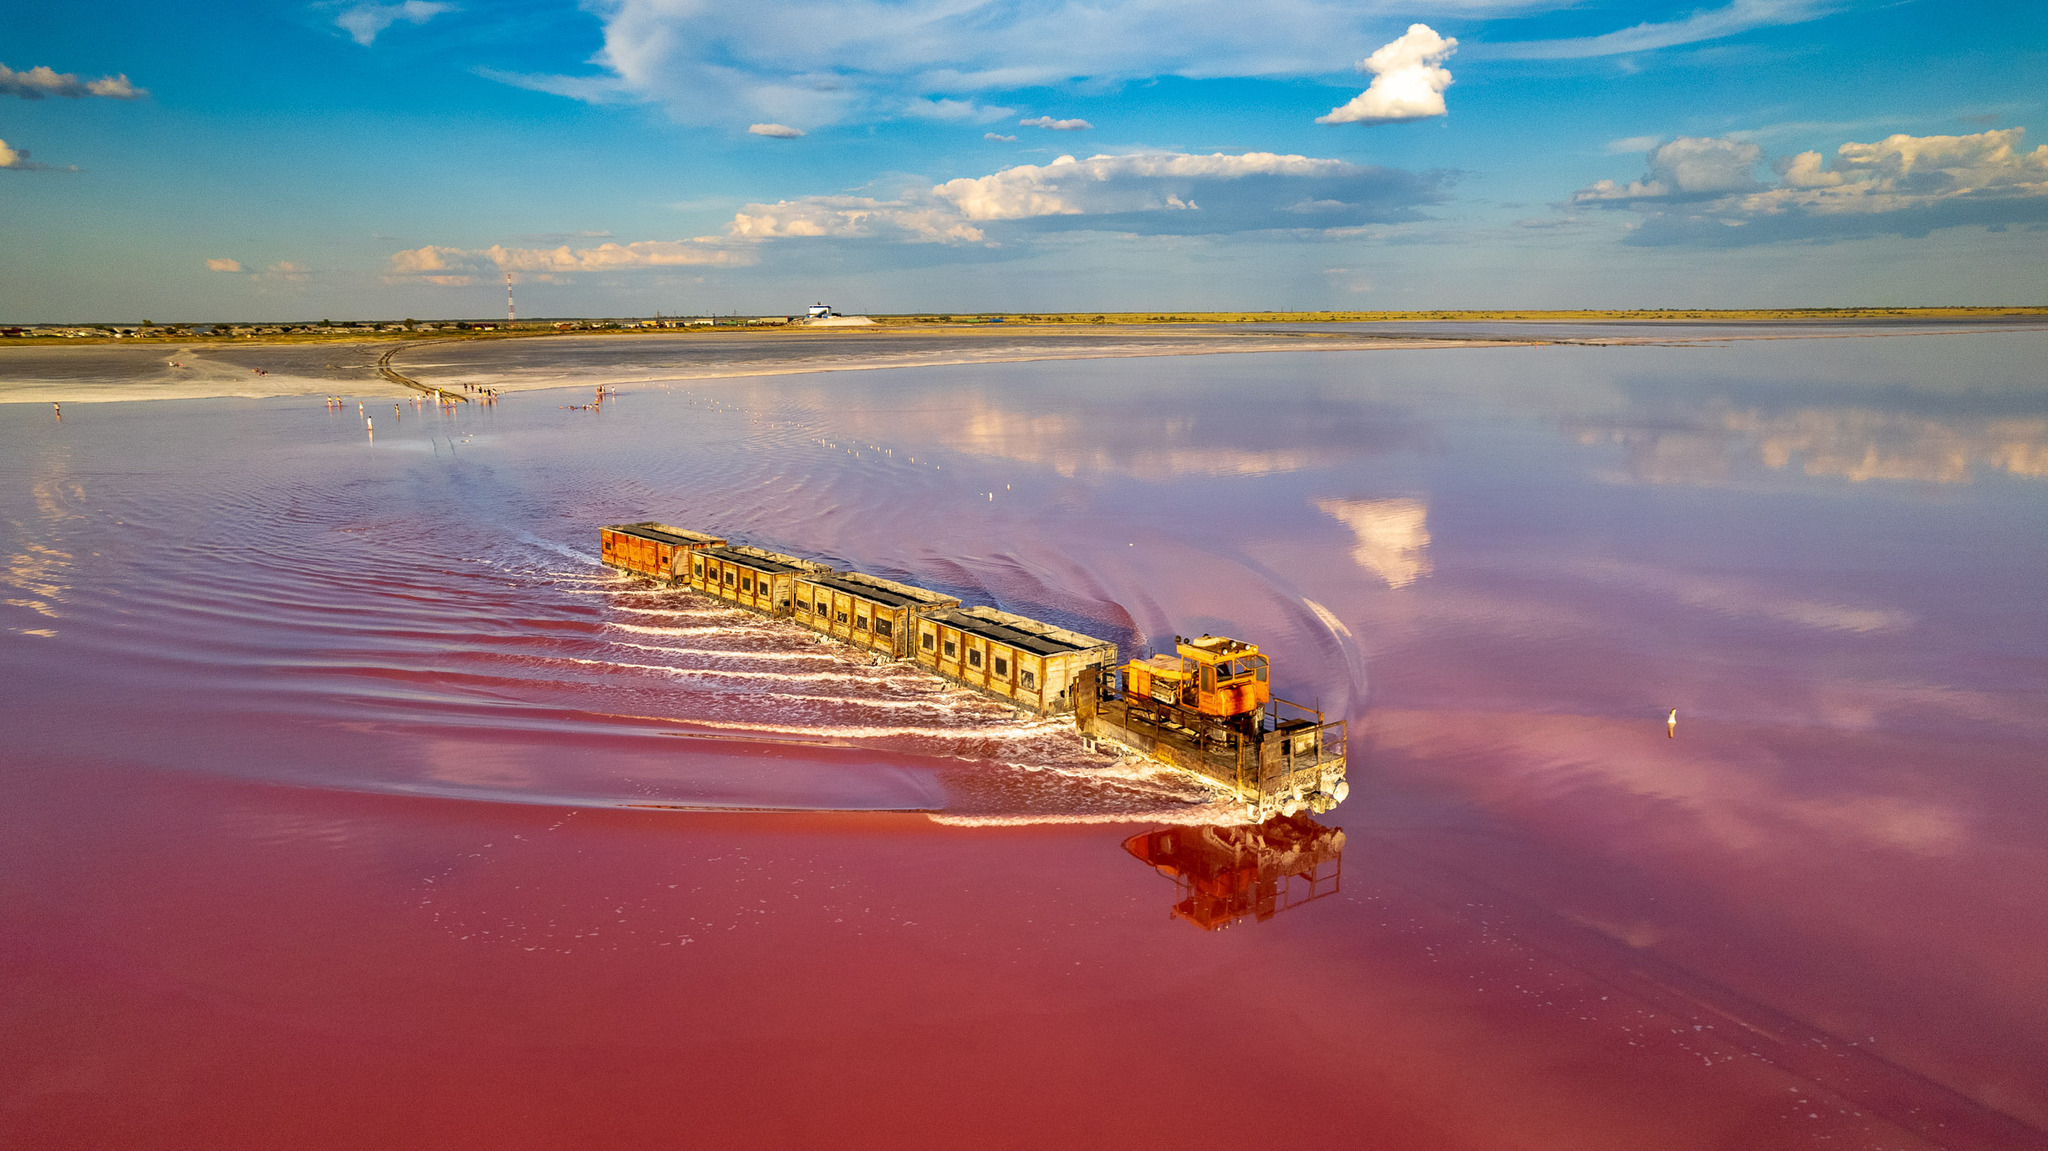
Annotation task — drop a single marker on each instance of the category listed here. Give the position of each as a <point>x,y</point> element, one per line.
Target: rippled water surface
<point>350,802</point>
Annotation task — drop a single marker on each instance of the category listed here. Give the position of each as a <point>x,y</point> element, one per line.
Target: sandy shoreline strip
<point>255,370</point>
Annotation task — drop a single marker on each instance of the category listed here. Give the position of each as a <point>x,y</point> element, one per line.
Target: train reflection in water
<point>1223,874</point>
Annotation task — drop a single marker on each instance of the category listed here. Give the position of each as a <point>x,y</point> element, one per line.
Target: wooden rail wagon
<point>655,550</point>
<point>866,611</point>
<point>764,581</point>
<point>1031,664</point>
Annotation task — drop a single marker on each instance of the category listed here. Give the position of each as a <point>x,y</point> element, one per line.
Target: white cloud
<point>223,264</point>
<point>814,62</point>
<point>996,136</point>
<point>950,109</point>
<point>1408,80</point>
<point>853,217</point>
<point>1168,193</point>
<point>434,264</point>
<point>1689,166</point>
<point>776,131</point>
<point>1902,185</point>
<point>1057,125</point>
<point>286,271</point>
<point>1159,192</point>
<point>1111,184</point>
<point>364,21</point>
<point>41,81</point>
<point>17,159</point>
<point>1711,24</point>
<point>612,256</point>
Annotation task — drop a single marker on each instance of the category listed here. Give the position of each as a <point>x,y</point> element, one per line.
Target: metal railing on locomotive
<point>1208,709</point>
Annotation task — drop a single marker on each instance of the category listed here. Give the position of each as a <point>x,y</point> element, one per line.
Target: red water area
<point>348,801</point>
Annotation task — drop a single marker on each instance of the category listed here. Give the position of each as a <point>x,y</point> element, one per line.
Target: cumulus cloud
<point>1901,185</point>
<point>777,131</point>
<point>1169,193</point>
<point>853,217</point>
<point>41,81</point>
<point>16,159</point>
<point>1408,80</point>
<point>998,136</point>
<point>435,264</point>
<point>363,22</point>
<point>814,62</point>
<point>1057,125</point>
<point>223,264</point>
<point>1178,192</point>
<point>1158,193</point>
<point>1689,166</point>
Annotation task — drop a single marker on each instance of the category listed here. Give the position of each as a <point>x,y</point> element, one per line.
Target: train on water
<point>1206,707</point>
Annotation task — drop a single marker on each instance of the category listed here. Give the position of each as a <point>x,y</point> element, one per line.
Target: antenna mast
<point>511,313</point>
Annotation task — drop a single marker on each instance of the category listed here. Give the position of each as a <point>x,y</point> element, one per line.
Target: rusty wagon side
<point>1022,661</point>
<point>751,577</point>
<point>866,611</point>
<point>651,548</point>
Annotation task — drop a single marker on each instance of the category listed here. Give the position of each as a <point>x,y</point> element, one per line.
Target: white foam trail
<point>847,731</point>
<point>644,629</point>
<point>1221,813</point>
<point>697,613</point>
<point>722,653</point>
<point>563,550</point>
<point>776,676</point>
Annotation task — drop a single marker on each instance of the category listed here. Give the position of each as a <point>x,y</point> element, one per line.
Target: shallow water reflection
<point>1223,875</point>
<point>1817,915</point>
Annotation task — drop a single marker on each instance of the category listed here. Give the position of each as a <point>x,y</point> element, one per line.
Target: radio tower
<point>511,313</point>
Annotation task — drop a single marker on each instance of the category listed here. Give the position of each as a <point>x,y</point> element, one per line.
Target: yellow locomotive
<point>1209,708</point>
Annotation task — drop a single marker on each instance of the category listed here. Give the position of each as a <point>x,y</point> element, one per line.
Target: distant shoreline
<point>105,371</point>
<point>884,324</point>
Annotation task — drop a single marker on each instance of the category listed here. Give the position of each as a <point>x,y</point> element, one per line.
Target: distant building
<point>819,312</point>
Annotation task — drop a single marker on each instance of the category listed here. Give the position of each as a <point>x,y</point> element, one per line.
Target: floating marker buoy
<point>1671,725</point>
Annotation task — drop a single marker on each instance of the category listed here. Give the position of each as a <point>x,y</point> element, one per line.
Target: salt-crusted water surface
<point>349,802</point>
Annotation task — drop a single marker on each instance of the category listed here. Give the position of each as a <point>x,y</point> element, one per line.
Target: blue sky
<point>352,160</point>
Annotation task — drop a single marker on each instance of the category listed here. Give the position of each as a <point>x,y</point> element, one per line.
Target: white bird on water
<point>1671,725</point>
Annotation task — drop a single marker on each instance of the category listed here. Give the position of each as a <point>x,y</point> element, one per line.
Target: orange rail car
<point>1206,708</point>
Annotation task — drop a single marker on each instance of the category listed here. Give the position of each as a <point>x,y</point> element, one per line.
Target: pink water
<point>349,802</point>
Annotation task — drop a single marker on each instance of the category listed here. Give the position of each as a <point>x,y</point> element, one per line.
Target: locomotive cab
<point>1214,676</point>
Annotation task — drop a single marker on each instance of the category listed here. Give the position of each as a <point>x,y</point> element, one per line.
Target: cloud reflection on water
<point>1146,435</point>
<point>1393,536</point>
<point>1857,444</point>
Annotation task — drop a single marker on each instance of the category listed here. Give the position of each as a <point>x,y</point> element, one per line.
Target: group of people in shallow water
<point>487,395</point>
<point>595,404</point>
